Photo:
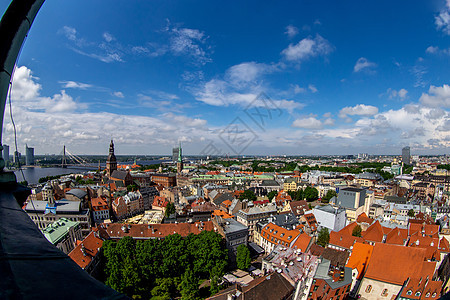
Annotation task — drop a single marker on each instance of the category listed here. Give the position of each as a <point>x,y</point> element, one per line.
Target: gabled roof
<point>360,257</point>
<point>427,288</point>
<point>302,242</point>
<point>363,218</point>
<point>344,237</point>
<point>394,263</point>
<point>374,233</point>
<point>444,245</point>
<point>397,236</point>
<point>298,208</point>
<point>121,175</point>
<point>85,252</point>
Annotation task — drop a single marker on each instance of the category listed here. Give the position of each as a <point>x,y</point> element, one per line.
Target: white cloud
<point>291,31</point>
<point>328,122</point>
<point>307,123</point>
<point>108,37</point>
<point>363,64</point>
<point>59,103</point>
<point>118,94</point>
<point>307,48</point>
<point>69,32</point>
<point>437,50</point>
<point>75,85</point>
<point>221,93</point>
<point>436,96</point>
<point>442,20</point>
<point>186,41</point>
<point>24,86</point>
<point>400,94</point>
<point>432,49</point>
<point>298,89</point>
<point>360,110</point>
<point>248,71</point>
<point>312,88</point>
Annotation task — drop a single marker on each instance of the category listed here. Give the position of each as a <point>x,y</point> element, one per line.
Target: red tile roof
<point>394,263</point>
<point>426,287</point>
<point>160,201</point>
<point>275,234</point>
<point>360,258</point>
<point>302,242</point>
<point>363,218</point>
<point>85,251</point>
<point>344,237</point>
<point>444,245</point>
<point>374,233</point>
<point>397,236</point>
<point>143,231</point>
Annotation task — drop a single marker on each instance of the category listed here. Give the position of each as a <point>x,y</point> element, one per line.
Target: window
<point>434,295</point>
<point>281,235</point>
<point>368,288</point>
<point>427,295</point>
<point>384,293</point>
<point>417,294</point>
<point>315,288</point>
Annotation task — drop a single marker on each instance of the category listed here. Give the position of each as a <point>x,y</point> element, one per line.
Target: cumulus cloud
<point>118,94</point>
<point>359,110</point>
<point>394,94</point>
<point>437,50</point>
<point>291,31</point>
<point>24,86</point>
<point>298,89</point>
<point>248,71</point>
<point>59,119</point>
<point>442,20</point>
<point>363,64</point>
<point>307,48</point>
<point>436,96</point>
<point>221,93</point>
<point>307,123</point>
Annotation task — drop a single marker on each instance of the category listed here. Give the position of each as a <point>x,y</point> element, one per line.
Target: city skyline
<point>244,78</point>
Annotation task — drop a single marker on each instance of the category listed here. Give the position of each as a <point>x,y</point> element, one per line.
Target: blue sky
<point>253,77</point>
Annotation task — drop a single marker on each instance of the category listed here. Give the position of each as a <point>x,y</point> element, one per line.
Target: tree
<point>330,194</point>
<point>243,259</point>
<point>357,231</point>
<point>310,194</point>
<point>272,194</point>
<point>189,285</point>
<point>248,194</point>
<point>324,237</point>
<point>411,213</point>
<point>170,209</point>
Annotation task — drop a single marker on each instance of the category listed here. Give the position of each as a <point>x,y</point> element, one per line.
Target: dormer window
<point>281,235</point>
<point>434,295</point>
<point>289,237</point>
<point>409,293</point>
<point>427,295</point>
<point>417,294</point>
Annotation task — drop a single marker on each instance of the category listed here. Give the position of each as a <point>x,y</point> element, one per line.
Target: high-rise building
<point>6,154</point>
<point>29,159</point>
<point>17,156</point>
<point>175,154</point>
<point>111,162</point>
<point>406,155</point>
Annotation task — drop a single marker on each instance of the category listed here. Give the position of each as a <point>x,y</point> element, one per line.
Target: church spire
<point>111,162</point>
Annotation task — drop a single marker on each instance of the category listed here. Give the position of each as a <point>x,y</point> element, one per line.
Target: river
<point>32,174</point>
